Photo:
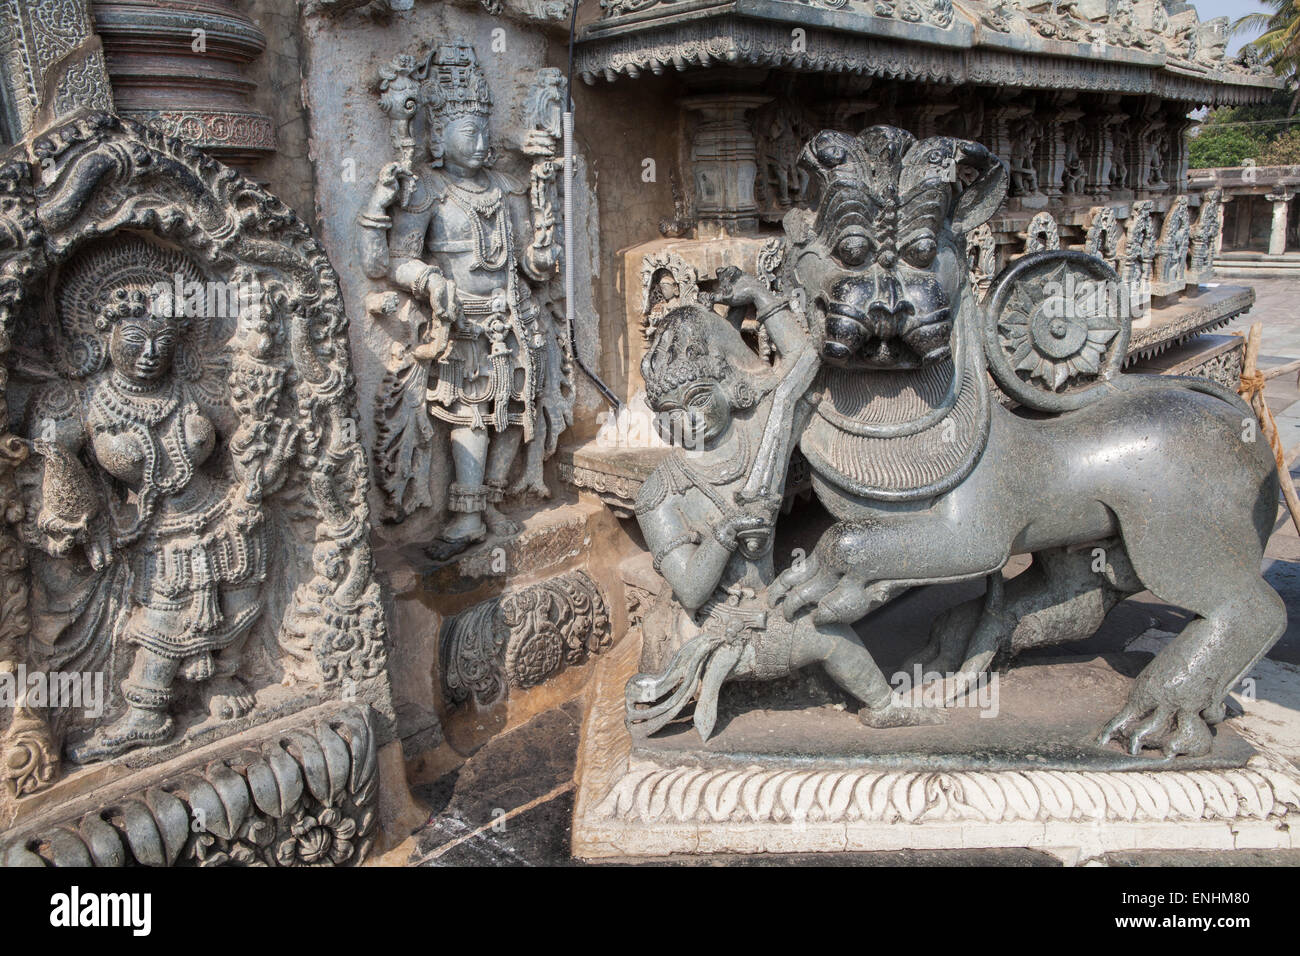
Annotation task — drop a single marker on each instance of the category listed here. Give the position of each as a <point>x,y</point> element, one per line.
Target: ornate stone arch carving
<point>98,180</point>
<point>1042,234</point>
<point>1103,235</point>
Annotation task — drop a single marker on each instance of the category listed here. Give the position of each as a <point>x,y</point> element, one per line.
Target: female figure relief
<point>135,472</point>
<point>711,542</point>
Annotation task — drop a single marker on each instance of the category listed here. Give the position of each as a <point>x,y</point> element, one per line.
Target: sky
<point>1232,9</point>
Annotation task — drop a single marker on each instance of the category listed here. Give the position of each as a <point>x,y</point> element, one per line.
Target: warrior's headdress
<point>698,345</point>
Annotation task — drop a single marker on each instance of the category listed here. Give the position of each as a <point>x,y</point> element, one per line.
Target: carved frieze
<point>308,796</point>
<point>659,44</point>
<point>34,37</point>
<point>521,639</point>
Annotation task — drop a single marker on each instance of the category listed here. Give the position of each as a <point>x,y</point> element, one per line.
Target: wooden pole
<point>1252,387</point>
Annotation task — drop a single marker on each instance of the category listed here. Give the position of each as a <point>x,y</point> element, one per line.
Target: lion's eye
<point>921,253</point>
<point>853,250</point>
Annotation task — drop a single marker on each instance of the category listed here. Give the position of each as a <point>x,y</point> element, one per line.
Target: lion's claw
<point>1174,731</point>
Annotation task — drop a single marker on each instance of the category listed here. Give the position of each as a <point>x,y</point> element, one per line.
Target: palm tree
<point>1280,41</point>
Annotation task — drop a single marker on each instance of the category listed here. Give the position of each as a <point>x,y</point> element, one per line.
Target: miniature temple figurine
<point>460,239</point>
<point>711,537</point>
<point>144,470</point>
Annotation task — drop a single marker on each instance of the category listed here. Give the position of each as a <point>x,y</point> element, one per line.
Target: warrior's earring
<point>742,394</point>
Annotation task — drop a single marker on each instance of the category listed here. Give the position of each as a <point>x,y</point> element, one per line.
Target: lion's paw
<point>1147,722</point>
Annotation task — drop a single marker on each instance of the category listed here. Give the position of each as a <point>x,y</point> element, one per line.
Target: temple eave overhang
<point>758,33</point>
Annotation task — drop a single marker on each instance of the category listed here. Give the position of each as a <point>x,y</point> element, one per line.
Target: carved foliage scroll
<point>523,638</point>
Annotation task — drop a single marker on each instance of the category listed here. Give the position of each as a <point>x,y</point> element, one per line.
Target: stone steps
<point>1257,265</point>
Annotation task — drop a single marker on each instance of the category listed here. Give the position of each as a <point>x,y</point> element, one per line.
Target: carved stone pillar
<point>724,163</point>
<point>1001,128</point>
<point>1052,148</point>
<point>1277,233</point>
<point>1181,151</point>
<point>1218,237</point>
<point>1097,163</point>
<point>178,66</point>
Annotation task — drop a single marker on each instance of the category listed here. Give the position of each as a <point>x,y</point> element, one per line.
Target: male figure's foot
<point>137,728</point>
<point>462,531</point>
<point>499,524</point>
<point>228,698</point>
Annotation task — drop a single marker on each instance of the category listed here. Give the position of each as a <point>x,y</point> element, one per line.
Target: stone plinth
<point>303,790</point>
<point>813,781</point>
<point>503,632</point>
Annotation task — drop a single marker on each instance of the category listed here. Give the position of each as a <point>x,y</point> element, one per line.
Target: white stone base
<point>640,808</point>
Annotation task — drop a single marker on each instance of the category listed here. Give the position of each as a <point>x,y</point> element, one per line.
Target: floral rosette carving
<point>1057,328</point>
<point>523,638</point>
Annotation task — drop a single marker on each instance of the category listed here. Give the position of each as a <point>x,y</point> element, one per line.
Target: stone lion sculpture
<point>931,479</point>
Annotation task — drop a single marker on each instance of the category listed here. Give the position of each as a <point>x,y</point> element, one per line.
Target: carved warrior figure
<point>923,471</point>
<point>711,540</point>
<point>461,244</point>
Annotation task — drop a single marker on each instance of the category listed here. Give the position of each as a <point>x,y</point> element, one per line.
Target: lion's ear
<point>983,180</point>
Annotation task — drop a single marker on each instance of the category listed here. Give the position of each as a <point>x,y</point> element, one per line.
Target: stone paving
<point>511,802</point>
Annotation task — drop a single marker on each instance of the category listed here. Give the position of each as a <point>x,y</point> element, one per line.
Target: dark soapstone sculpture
<point>882,353</point>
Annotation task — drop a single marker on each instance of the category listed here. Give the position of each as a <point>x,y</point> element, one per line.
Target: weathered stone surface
<point>297,792</point>
<point>122,239</point>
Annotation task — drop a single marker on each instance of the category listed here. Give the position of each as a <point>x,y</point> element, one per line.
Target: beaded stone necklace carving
<point>489,223</point>
<point>118,406</point>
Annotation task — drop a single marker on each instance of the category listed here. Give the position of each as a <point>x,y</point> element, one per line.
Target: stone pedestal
<point>855,789</point>
<point>724,163</point>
